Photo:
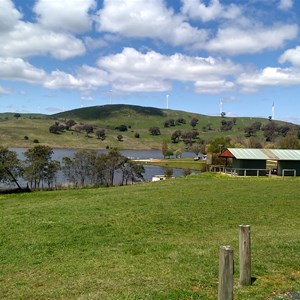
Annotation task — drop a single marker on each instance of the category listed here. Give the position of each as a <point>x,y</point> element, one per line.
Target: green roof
<point>265,154</point>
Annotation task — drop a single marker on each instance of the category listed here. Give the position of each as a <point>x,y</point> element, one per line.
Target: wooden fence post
<point>245,255</point>
<point>226,269</point>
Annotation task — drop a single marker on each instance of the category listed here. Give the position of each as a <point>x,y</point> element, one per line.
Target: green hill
<point>28,129</point>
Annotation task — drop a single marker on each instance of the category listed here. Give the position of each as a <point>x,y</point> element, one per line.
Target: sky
<point>202,56</point>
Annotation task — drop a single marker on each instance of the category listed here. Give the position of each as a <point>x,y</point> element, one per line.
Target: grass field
<point>149,241</point>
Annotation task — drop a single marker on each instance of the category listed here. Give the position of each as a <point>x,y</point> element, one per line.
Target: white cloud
<point>292,56</point>
<point>268,77</point>
<point>18,69</point>
<point>214,86</point>
<point>87,79</point>
<point>233,40</point>
<point>147,19</point>
<point>9,15</point>
<point>27,39</point>
<point>131,70</point>
<point>196,9</point>
<point>285,4</point>
<point>72,16</point>
<point>24,39</point>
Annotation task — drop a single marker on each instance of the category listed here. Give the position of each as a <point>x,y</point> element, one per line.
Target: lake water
<point>150,171</point>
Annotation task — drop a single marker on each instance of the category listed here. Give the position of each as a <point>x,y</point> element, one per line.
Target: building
<point>253,162</point>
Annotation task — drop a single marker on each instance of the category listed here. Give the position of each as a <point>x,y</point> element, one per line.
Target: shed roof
<point>261,154</point>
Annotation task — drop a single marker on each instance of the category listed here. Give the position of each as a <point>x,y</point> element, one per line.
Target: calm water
<point>150,171</point>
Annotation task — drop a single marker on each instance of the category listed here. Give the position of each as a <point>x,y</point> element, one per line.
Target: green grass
<point>180,163</point>
<point>149,241</point>
<point>140,119</point>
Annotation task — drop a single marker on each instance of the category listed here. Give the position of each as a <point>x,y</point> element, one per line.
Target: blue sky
<point>59,55</point>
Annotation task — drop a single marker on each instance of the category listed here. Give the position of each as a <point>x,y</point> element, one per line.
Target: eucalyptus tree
<point>38,165</point>
<point>10,166</point>
<point>80,169</point>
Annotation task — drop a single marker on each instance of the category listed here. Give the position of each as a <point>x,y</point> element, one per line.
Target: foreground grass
<point>150,241</point>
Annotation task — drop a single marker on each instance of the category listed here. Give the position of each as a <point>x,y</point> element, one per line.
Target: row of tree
<point>87,167</point>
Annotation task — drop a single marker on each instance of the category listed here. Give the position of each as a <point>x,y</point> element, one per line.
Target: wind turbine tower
<point>167,96</point>
<point>221,106</point>
<point>273,111</point>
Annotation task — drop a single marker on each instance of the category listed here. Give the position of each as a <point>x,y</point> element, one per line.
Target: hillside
<point>28,129</point>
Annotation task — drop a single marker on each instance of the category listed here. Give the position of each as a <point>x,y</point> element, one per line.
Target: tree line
<point>87,167</point>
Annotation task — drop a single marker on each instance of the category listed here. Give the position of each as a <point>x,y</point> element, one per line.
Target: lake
<point>150,171</point>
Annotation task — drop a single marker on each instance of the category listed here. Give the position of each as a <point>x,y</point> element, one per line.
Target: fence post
<point>245,255</point>
<point>226,269</point>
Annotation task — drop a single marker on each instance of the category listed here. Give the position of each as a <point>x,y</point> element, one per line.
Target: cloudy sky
<point>59,55</point>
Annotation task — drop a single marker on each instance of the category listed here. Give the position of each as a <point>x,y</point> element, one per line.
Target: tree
<point>249,131</point>
<point>198,148</point>
<point>218,144</point>
<point>226,125</point>
<point>132,171</point>
<point>122,128</point>
<point>164,148</point>
<point>88,129</point>
<point>70,123</point>
<point>100,133</point>
<point>80,169</point>
<point>37,162</point>
<point>270,131</point>
<point>290,141</point>
<point>168,172</point>
<point>194,122</point>
<point>175,136</point>
<point>10,166</point>
<point>180,121</point>
<point>169,123</point>
<point>50,172</point>
<point>17,115</point>
<point>114,161</point>
<point>223,114</point>
<point>154,131</point>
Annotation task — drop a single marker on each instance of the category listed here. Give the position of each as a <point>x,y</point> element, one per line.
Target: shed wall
<point>249,164</point>
<point>288,164</point>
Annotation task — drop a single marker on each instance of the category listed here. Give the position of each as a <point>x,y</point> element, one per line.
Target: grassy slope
<point>140,119</point>
<point>149,241</point>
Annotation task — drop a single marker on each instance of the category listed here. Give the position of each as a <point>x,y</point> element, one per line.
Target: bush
<point>187,172</point>
<point>137,135</point>
<point>122,128</point>
<point>26,138</point>
<point>168,172</point>
<point>36,141</point>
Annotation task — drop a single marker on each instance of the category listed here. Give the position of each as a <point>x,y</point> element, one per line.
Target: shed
<point>254,161</point>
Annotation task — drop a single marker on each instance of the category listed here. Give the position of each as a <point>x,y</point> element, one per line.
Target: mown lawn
<point>149,241</point>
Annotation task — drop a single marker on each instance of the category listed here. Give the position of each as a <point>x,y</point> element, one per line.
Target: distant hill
<point>108,111</point>
<point>27,130</point>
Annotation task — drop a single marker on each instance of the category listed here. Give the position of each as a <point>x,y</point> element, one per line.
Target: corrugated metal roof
<point>283,154</point>
<point>265,154</point>
<point>248,153</point>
